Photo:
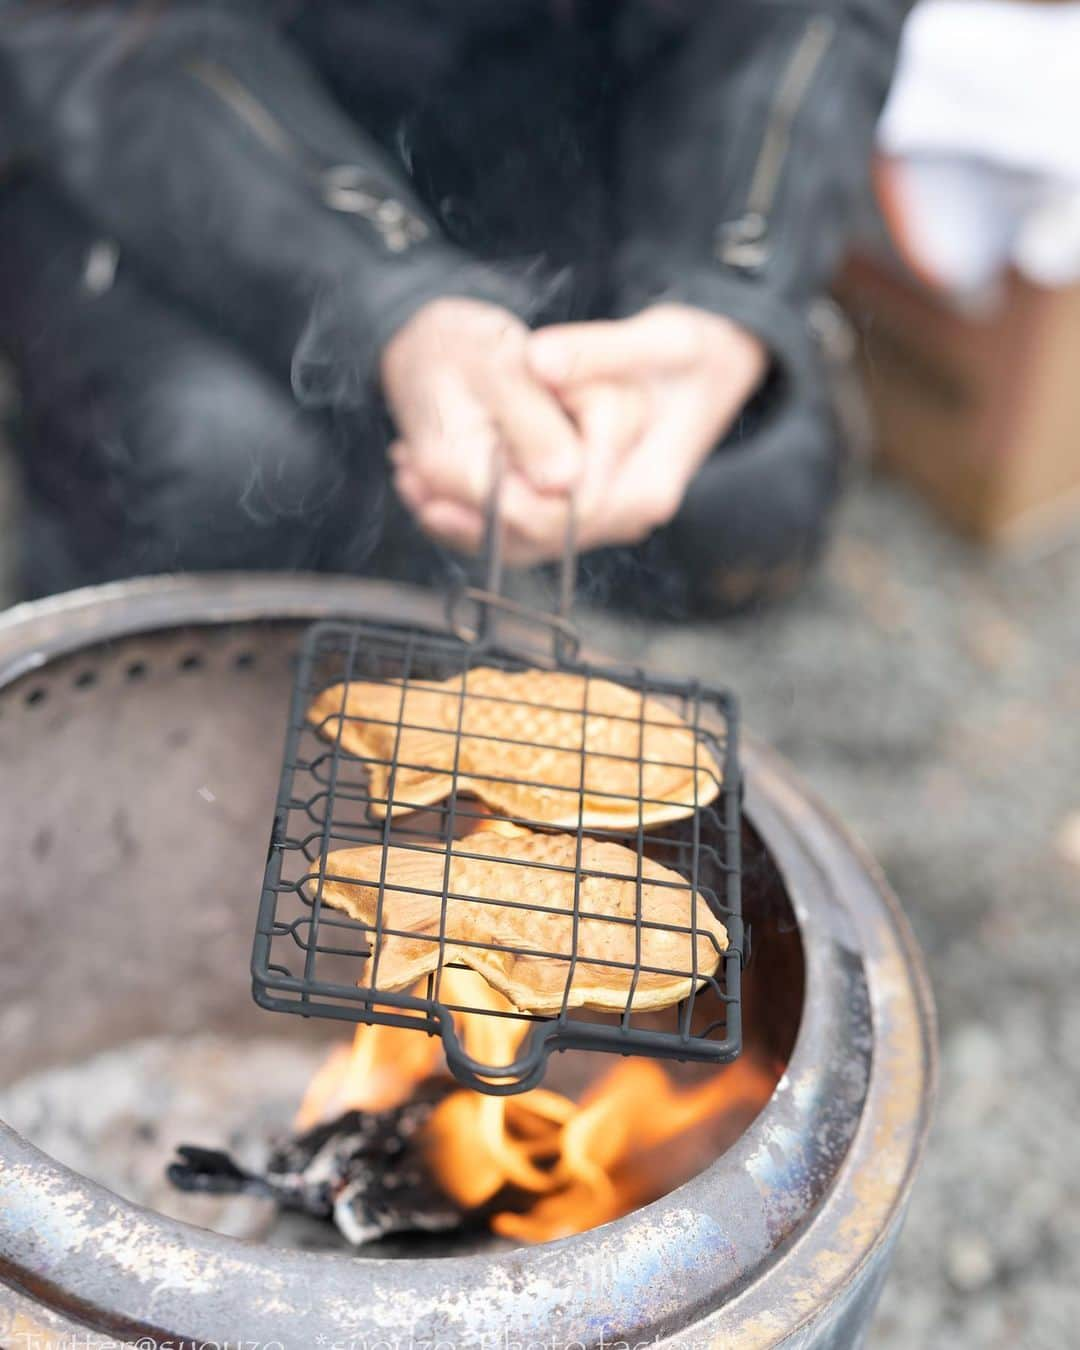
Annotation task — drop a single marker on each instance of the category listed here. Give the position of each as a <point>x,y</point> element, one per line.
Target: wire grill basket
<point>312,958</point>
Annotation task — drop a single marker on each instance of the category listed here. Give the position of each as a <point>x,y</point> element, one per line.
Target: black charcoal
<point>365,1171</point>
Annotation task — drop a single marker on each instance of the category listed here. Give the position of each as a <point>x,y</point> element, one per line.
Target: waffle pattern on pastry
<point>544,746</point>
<point>509,915</point>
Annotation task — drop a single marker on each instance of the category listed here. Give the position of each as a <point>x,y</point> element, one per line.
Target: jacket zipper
<point>341,187</point>
<point>744,242</point>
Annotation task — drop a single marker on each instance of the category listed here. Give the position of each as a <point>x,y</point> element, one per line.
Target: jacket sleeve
<point>198,140</point>
<point>747,138</point>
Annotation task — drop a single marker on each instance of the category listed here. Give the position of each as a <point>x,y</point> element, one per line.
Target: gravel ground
<point>933,698</point>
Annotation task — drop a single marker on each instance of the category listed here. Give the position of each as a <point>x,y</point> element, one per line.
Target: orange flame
<point>379,1070</point>
<point>575,1164</point>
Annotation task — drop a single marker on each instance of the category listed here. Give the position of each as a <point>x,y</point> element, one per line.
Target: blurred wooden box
<point>982,414</point>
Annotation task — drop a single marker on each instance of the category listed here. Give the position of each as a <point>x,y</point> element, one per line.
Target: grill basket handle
<point>489,599</point>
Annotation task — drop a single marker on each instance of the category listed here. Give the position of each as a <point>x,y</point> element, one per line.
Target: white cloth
<point>983,131</point>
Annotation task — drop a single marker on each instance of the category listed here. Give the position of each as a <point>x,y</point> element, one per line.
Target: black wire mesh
<point>314,959</point>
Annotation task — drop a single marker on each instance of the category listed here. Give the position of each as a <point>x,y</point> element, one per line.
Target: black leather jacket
<point>201,137</point>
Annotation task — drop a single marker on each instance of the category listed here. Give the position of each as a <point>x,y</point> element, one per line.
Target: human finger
<point>540,439</point>
<point>610,414</point>
<point>648,485</point>
<point>537,519</point>
<point>455,453</point>
<point>459,527</point>
<point>410,487</point>
<point>655,340</point>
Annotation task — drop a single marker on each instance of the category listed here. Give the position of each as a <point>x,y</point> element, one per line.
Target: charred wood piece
<point>365,1171</point>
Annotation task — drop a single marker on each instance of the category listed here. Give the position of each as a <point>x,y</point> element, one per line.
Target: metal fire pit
<point>139,738</point>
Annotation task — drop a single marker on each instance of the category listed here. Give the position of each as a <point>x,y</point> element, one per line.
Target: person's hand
<point>692,372</point>
<point>609,418</point>
<point>647,397</point>
<point>460,390</point>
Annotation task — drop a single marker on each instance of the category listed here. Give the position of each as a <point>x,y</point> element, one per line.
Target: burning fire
<point>574,1164</point>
